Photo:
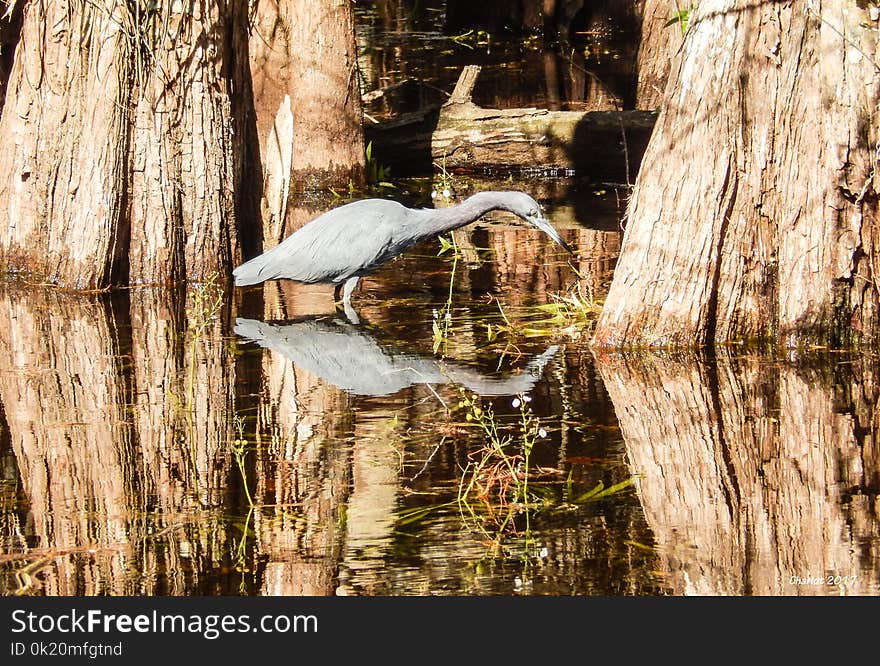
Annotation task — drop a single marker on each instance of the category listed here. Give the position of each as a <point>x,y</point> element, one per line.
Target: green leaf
<point>445,245</point>
<point>600,491</point>
<point>590,493</point>
<point>415,514</point>
<point>682,16</point>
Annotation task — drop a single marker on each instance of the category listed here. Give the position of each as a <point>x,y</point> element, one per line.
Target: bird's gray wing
<point>346,241</point>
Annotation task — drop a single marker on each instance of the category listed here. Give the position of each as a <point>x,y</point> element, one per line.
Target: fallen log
<point>604,146</point>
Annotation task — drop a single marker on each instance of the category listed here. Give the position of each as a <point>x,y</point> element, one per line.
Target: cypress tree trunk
<point>184,175</point>
<point>64,132</point>
<point>658,44</point>
<point>127,126</point>
<point>10,30</point>
<point>755,213</point>
<point>308,105</point>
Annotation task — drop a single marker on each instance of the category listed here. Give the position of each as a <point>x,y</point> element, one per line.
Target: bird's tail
<point>251,272</point>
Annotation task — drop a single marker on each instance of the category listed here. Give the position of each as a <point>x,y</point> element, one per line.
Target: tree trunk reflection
<point>303,466</point>
<point>121,503</point>
<point>755,477</point>
<point>59,382</point>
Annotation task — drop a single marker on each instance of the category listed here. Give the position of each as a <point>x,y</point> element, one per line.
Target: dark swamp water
<point>252,441</point>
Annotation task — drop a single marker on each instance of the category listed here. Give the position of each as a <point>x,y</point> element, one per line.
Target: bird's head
<point>522,205</point>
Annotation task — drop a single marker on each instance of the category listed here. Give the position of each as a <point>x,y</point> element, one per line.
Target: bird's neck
<point>469,210</point>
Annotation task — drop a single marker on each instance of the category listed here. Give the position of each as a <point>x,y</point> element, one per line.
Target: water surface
<point>151,445</point>
<point>214,440</point>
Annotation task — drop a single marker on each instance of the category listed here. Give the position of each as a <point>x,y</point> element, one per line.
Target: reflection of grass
<point>472,38</point>
<point>239,453</point>
<point>241,563</point>
<point>500,468</point>
<point>500,488</point>
<point>238,448</point>
<point>501,497</point>
<point>203,303</point>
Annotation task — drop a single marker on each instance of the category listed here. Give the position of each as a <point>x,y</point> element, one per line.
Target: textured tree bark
<point>657,47</point>
<point>127,145</point>
<point>755,214</point>
<point>278,158</point>
<point>64,126</point>
<point>328,143</point>
<point>184,148</point>
<point>306,49</point>
<point>753,477</point>
<point>269,51</point>
<point>269,58</point>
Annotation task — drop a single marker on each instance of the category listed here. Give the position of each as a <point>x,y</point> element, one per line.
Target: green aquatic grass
<point>442,321</point>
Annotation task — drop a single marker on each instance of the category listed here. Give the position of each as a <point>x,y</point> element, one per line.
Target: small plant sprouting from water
<point>442,318</point>
<point>570,313</point>
<point>577,307</point>
<point>500,487</point>
<point>376,175</point>
<point>442,321</point>
<point>498,473</point>
<point>239,452</point>
<point>444,183</point>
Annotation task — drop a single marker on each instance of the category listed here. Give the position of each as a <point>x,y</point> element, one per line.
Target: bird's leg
<point>349,286</point>
<point>351,315</point>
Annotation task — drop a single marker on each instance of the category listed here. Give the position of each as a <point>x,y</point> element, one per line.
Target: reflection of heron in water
<point>353,240</point>
<point>348,357</point>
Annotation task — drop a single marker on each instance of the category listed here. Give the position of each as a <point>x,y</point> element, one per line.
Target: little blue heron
<point>352,240</point>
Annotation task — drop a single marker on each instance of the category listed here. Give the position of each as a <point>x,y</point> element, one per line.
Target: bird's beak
<point>544,225</point>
